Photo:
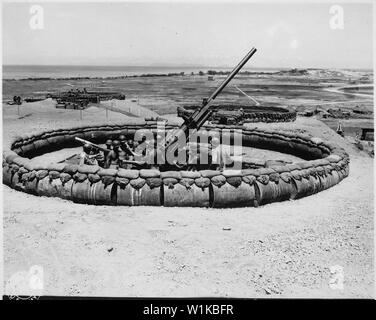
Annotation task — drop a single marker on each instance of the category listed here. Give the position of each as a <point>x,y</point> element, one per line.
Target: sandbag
<point>7,175</point>
<point>149,173</point>
<point>89,169</point>
<point>305,187</point>
<point>107,180</point>
<point>265,192</point>
<point>102,194</point>
<point>190,174</point>
<point>27,149</point>
<point>41,145</point>
<point>122,182</point>
<point>286,190</point>
<point>55,166</point>
<point>228,196</point>
<point>202,182</point>
<point>171,174</point>
<point>16,182</point>
<point>318,183</point>
<point>209,173</point>
<point>341,174</point>
<point>252,140</point>
<point>9,156</point>
<point>180,196</point>
<point>170,182</point>
<point>79,177</point>
<point>81,192</point>
<point>97,136</point>
<point>56,141</point>
<point>154,182</point>
<point>234,181</point>
<point>187,182</point>
<point>127,173</point>
<point>330,179</point>
<point>31,184</point>
<point>70,168</point>
<point>249,179</point>
<point>218,180</point>
<point>137,183</point>
<point>145,196</point>
<point>54,188</point>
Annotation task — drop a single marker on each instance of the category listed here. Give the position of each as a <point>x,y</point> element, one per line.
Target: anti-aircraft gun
<point>197,119</point>
<point>81,98</point>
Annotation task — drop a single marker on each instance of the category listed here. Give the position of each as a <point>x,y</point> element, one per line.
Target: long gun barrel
<point>92,144</point>
<point>198,118</point>
<point>232,74</point>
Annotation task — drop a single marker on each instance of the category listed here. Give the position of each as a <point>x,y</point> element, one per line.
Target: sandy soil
<point>278,250</point>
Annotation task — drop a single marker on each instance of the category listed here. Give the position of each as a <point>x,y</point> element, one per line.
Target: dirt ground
<point>283,249</point>
<point>164,94</point>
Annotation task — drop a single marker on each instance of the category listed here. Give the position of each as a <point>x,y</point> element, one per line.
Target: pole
<point>253,99</point>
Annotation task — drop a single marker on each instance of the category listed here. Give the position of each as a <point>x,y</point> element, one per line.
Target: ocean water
<point>35,71</point>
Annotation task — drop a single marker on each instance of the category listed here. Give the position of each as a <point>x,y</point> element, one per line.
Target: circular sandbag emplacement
<point>240,114</point>
<point>324,165</point>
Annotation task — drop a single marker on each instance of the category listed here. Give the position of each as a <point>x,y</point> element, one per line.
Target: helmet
<point>122,137</point>
<point>215,141</point>
<point>87,148</point>
<point>108,142</point>
<point>116,143</point>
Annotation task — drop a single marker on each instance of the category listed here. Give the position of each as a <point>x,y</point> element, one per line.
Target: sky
<point>186,34</point>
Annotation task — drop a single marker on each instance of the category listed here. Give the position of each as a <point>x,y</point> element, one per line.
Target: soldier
<point>126,148</point>
<point>122,157</point>
<point>340,130</point>
<point>130,143</point>
<point>135,145</point>
<point>109,144</point>
<point>89,156</point>
<point>193,151</point>
<point>101,158</point>
<point>123,149</point>
<point>220,156</point>
<point>112,158</point>
<point>123,154</point>
<point>122,139</point>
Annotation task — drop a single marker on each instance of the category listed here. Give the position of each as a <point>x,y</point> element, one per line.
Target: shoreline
<point>294,72</point>
<point>146,75</point>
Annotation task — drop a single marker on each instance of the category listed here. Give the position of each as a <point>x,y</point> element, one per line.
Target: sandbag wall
<point>206,188</point>
<point>268,117</point>
<point>251,114</point>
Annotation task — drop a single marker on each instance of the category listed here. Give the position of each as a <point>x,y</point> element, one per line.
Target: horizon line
<point>179,66</point>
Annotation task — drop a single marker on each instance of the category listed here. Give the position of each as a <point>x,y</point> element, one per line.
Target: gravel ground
<point>279,250</point>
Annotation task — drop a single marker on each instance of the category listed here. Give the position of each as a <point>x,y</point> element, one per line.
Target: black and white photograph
<point>188,149</point>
